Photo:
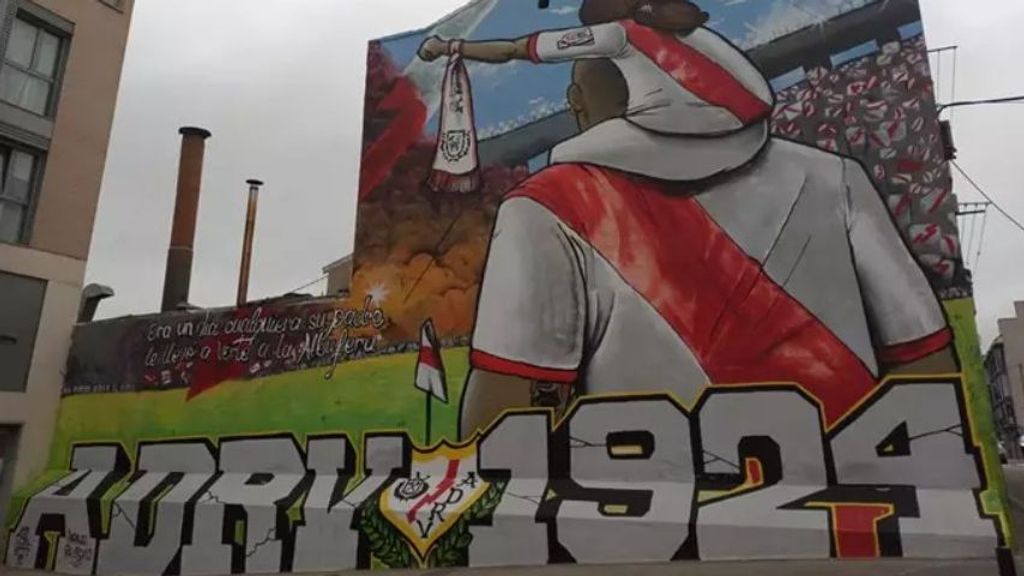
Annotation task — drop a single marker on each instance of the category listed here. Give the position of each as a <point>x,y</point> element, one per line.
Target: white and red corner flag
<point>456,163</point>
<point>430,376</point>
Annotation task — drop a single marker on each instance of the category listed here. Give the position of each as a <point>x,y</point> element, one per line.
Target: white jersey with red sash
<point>789,270</point>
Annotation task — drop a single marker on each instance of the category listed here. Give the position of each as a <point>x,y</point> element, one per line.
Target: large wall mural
<point>635,281</point>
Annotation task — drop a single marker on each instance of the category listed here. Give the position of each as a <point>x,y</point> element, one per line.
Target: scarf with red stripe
<point>456,165</point>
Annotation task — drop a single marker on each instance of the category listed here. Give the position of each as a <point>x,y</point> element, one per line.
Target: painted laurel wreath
<point>452,550</point>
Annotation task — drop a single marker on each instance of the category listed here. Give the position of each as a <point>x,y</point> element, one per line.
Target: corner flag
<point>430,376</point>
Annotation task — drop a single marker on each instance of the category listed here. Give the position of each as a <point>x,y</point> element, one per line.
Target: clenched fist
<point>433,48</point>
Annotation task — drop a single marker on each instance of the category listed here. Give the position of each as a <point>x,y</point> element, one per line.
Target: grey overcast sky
<point>280,85</point>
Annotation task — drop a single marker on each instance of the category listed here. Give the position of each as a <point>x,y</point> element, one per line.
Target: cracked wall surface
<point>618,480</point>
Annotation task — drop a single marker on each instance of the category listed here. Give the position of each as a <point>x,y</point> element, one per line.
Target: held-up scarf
<point>456,163</point>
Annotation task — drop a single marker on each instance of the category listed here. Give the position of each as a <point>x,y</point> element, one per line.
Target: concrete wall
<point>35,410</point>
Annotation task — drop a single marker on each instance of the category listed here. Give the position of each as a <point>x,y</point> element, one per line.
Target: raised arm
<point>550,46</point>
<point>495,51</point>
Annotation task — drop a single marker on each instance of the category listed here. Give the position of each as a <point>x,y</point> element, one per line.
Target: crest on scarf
<point>441,487</point>
<point>455,145</point>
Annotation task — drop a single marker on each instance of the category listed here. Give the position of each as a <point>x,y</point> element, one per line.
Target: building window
<point>8,444</point>
<point>17,184</point>
<point>20,308</point>
<point>28,78</point>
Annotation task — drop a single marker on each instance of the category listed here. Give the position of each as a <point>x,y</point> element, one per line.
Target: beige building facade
<point>339,276</point>
<point>1010,347</point>
<point>59,80</point>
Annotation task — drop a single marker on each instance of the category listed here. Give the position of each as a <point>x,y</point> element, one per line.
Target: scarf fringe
<point>441,181</point>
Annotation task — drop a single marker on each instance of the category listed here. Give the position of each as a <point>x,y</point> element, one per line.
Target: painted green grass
<point>962,318</point>
<point>368,395</point>
<point>21,497</point>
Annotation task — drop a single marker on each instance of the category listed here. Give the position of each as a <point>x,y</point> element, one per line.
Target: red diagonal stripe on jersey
<point>697,73</point>
<point>741,326</point>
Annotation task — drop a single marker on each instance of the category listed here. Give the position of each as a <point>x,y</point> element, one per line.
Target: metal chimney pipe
<point>92,295</point>
<point>250,231</point>
<point>178,276</point>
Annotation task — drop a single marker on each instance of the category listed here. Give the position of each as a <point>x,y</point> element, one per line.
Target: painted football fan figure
<point>674,244</point>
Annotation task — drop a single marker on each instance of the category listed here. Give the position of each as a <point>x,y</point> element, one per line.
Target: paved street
<point>892,568</point>
<point>895,568</point>
<point>900,568</point>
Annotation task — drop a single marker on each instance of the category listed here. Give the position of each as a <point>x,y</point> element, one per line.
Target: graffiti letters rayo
<point>629,287</point>
<point>747,473</point>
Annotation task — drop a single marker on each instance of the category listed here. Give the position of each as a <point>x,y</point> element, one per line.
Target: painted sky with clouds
<point>516,93</point>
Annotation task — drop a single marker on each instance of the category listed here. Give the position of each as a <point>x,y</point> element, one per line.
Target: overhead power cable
<point>967,236</point>
<point>972,236</point>
<point>981,243</point>
<point>304,286</point>
<point>956,54</point>
<point>985,195</point>
<point>1006,100</point>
